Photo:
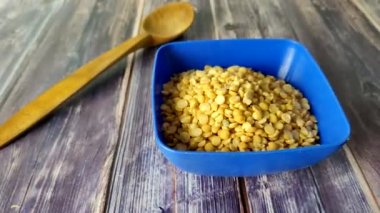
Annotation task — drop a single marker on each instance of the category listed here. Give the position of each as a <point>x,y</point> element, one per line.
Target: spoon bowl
<point>168,22</point>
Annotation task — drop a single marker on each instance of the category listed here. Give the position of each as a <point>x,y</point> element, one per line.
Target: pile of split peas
<point>235,109</point>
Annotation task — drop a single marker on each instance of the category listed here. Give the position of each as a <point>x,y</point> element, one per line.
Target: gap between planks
<point>213,13</point>
<point>359,174</point>
<point>371,19</point>
<point>361,179</point>
<point>121,105</point>
<point>352,161</point>
<point>121,109</point>
<point>243,195</point>
<point>241,180</point>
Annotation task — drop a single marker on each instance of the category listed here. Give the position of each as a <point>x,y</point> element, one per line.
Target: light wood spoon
<point>162,25</point>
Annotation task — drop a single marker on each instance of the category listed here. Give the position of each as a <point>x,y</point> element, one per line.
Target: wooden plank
<point>370,9</point>
<point>48,171</point>
<point>338,186</point>
<point>309,190</point>
<point>288,191</point>
<point>63,164</point>
<point>325,187</point>
<point>365,139</point>
<point>143,180</point>
<point>206,194</point>
<point>348,57</point>
<point>285,192</point>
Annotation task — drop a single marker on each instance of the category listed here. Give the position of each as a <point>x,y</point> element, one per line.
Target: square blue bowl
<point>283,58</point>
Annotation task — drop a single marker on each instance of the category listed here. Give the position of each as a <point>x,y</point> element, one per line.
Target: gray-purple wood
<point>97,153</point>
<point>64,163</point>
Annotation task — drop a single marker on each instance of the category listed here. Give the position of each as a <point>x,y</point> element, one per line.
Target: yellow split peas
<point>235,109</point>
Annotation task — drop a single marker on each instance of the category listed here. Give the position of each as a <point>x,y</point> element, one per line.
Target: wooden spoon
<point>162,25</point>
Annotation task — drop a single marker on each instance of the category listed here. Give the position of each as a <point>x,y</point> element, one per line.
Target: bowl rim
<point>166,148</point>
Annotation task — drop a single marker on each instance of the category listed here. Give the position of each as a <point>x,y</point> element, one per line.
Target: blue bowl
<point>283,58</point>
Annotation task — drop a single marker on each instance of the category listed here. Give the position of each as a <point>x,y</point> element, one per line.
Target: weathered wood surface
<point>97,153</point>
<point>62,165</point>
<point>143,180</point>
<point>309,190</point>
<point>286,19</point>
<point>347,46</point>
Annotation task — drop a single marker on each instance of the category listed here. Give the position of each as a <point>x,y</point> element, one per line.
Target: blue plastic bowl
<point>286,59</point>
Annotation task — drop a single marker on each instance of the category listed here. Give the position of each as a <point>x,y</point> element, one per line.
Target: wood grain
<point>338,187</point>
<point>143,180</point>
<point>331,185</point>
<point>63,164</point>
<point>59,93</point>
<point>348,57</point>
<point>370,10</point>
<point>285,192</point>
<point>97,153</point>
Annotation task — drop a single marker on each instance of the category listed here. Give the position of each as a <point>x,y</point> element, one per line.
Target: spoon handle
<point>53,97</point>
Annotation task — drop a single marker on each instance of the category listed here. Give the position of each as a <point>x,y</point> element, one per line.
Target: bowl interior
<point>282,58</point>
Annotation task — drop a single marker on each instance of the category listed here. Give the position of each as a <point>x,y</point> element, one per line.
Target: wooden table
<point>97,153</point>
